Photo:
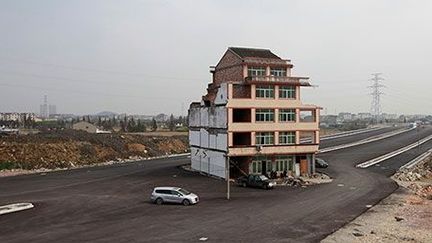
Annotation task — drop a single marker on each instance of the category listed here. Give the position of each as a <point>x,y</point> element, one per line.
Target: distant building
<point>17,117</point>
<point>253,117</point>
<point>88,127</point>
<point>161,117</point>
<point>52,110</point>
<point>47,110</point>
<point>364,115</point>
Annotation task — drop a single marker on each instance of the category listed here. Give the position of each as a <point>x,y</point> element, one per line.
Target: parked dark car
<point>320,163</point>
<point>260,181</point>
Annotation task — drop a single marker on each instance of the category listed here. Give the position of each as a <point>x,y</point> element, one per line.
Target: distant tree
<point>123,126</point>
<point>140,127</point>
<point>171,124</point>
<point>154,125</point>
<point>131,126</point>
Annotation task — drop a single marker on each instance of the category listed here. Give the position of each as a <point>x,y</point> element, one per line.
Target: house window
<point>256,71</point>
<point>266,91</point>
<point>287,137</point>
<point>264,115</point>
<point>255,167</point>
<point>287,92</point>
<point>286,115</point>
<point>284,163</point>
<point>264,138</point>
<point>278,72</point>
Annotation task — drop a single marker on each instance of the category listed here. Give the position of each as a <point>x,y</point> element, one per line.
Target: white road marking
<point>10,208</point>
<point>393,153</point>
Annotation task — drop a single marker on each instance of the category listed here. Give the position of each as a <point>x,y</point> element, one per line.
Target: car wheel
<point>159,201</point>
<point>244,184</point>
<point>186,202</point>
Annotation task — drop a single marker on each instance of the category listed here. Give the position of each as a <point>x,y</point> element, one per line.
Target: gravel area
<point>404,216</point>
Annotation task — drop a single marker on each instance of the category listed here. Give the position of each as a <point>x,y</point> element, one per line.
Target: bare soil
<point>71,148</point>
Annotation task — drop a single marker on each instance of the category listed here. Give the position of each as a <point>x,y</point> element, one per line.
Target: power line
<point>88,93</point>
<point>376,95</point>
<point>94,70</point>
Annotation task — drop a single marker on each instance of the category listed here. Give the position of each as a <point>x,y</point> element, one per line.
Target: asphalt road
<point>110,204</point>
<point>353,138</point>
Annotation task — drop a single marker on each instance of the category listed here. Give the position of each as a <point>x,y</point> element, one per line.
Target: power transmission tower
<point>376,95</point>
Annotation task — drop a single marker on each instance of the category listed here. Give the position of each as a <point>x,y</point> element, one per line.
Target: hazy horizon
<point>150,57</point>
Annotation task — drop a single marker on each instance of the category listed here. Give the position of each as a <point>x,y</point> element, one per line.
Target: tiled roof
<point>252,52</point>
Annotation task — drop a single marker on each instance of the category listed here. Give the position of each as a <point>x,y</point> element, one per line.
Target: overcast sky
<point>148,57</point>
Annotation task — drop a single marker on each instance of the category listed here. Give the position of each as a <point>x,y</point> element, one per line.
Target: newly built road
<point>110,203</point>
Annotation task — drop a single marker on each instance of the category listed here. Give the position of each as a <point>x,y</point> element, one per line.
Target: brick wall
<point>229,68</point>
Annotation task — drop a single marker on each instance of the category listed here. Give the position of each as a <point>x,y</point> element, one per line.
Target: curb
<point>16,207</point>
<point>349,133</point>
<point>416,160</point>
<point>106,163</point>
<point>393,153</point>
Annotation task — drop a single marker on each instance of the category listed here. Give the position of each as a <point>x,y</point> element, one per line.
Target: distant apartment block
<point>253,117</point>
<point>47,110</point>
<point>17,117</point>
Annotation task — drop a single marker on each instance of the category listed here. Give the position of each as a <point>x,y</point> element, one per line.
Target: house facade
<point>252,118</point>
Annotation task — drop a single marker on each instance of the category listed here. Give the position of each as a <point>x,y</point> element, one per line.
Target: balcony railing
<point>278,79</point>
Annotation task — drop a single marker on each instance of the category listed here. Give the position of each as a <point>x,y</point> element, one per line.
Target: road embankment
<point>69,149</point>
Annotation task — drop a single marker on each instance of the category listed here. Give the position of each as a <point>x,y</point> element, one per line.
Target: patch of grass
<point>8,165</point>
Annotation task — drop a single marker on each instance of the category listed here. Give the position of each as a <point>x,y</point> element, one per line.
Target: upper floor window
<point>287,92</point>
<point>264,115</point>
<point>266,91</point>
<point>278,72</point>
<point>287,115</point>
<point>287,137</point>
<point>264,138</point>
<point>256,71</point>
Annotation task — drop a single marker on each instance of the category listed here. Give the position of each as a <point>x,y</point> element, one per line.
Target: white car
<point>167,194</point>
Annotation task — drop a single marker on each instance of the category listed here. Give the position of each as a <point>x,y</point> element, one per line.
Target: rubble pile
<point>423,170</point>
<point>418,179</point>
<point>424,191</point>
<point>294,181</point>
<point>67,149</point>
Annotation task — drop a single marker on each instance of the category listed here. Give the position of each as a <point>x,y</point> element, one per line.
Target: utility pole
<point>227,175</point>
<point>376,95</point>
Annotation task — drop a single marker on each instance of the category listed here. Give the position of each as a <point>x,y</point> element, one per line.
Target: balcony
<point>285,80</point>
<point>273,150</point>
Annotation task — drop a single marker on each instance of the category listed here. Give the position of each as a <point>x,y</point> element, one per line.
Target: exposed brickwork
<point>229,68</point>
<point>241,91</point>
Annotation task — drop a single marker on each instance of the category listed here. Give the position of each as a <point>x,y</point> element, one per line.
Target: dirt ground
<point>161,133</point>
<point>404,216</point>
<point>68,149</point>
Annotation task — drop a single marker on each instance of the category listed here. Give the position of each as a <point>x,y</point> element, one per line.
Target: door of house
<point>303,166</point>
<point>264,167</point>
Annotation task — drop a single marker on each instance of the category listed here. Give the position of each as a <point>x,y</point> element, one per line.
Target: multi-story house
<point>252,118</point>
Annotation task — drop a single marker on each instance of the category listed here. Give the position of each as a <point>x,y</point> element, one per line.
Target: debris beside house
<point>317,178</point>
